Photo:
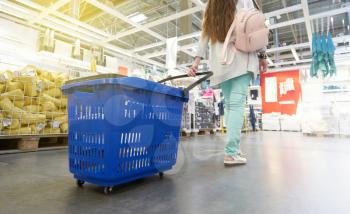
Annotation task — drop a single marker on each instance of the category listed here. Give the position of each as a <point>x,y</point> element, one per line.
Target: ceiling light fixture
<point>137,17</point>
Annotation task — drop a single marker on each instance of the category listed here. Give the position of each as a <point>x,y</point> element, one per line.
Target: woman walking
<point>234,78</point>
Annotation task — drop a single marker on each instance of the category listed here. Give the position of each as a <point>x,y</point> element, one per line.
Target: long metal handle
<point>206,75</point>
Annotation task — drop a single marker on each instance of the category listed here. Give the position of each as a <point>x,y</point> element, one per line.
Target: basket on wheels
<point>123,129</point>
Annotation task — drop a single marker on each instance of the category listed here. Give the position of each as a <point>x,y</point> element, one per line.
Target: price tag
<point>55,124</point>
<point>6,122</point>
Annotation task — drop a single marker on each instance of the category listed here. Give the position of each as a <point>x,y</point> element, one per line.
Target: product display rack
<point>32,109</point>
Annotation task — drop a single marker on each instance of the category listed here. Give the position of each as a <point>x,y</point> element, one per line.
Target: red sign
<point>287,90</point>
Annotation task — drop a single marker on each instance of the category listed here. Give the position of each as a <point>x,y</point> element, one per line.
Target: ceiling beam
<point>307,19</point>
<point>155,23</point>
<point>288,47</point>
<point>283,11</point>
<point>69,19</point>
<point>124,18</point>
<point>150,46</point>
<point>287,23</point>
<point>189,36</point>
<point>155,54</point>
<point>57,5</point>
<point>292,62</point>
<point>102,13</point>
<point>180,48</point>
<point>180,38</point>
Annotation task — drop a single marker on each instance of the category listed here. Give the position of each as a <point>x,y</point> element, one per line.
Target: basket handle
<point>206,75</point>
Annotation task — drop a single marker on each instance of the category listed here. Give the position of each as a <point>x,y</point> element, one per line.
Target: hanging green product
<point>330,52</point>
<point>320,56</point>
<point>314,63</point>
<point>324,53</point>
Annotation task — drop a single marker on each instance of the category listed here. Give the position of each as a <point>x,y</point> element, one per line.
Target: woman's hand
<point>194,68</point>
<point>262,65</point>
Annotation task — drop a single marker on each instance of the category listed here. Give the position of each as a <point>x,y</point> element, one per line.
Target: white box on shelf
<point>290,123</point>
<point>271,122</point>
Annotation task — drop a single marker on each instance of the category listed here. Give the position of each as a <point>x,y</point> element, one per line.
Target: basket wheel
<point>161,175</point>
<point>108,190</point>
<point>80,183</point>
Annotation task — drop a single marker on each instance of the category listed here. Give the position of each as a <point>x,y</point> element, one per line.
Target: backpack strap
<point>228,41</point>
<point>256,5</point>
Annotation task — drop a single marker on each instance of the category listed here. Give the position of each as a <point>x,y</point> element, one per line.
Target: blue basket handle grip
<point>206,75</point>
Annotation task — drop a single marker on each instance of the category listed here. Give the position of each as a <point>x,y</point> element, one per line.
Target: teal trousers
<point>235,93</point>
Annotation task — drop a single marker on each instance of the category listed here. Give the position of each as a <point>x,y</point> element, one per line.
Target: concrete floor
<point>286,173</point>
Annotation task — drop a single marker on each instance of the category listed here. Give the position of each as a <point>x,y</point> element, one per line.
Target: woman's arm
<point>201,53</point>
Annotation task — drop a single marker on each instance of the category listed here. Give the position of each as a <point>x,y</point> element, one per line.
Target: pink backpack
<point>248,33</point>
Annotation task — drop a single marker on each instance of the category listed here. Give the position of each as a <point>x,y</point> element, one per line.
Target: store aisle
<point>286,173</point>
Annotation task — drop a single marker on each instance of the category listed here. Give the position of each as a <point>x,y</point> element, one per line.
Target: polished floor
<point>286,173</point>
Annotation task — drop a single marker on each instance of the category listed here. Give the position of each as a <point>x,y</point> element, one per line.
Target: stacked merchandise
<point>31,102</point>
<point>271,122</point>
<point>343,114</point>
<point>205,113</point>
<point>201,113</point>
<point>319,118</point>
<point>325,110</point>
<point>327,117</point>
<point>281,122</point>
<point>290,123</point>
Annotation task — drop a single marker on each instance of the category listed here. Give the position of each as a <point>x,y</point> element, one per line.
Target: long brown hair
<point>218,18</point>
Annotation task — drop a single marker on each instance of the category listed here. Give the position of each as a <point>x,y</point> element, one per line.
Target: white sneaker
<point>240,153</point>
<point>231,160</point>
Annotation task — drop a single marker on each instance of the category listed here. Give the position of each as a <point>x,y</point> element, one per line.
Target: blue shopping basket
<point>123,129</point>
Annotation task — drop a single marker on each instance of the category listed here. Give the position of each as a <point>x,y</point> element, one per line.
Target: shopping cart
<point>123,129</point>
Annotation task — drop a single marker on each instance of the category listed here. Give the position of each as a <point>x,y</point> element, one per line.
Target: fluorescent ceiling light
<point>137,17</point>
